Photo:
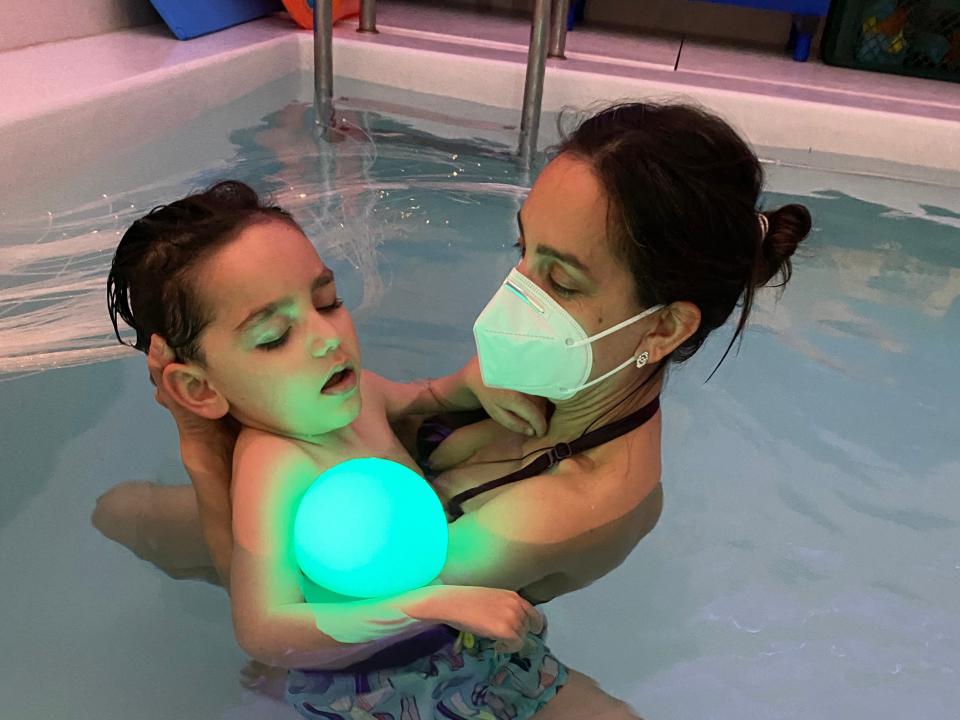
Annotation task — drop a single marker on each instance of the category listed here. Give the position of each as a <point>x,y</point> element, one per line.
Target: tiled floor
<point>763,71</point>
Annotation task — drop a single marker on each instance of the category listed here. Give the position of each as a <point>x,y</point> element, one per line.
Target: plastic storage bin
<point>908,37</point>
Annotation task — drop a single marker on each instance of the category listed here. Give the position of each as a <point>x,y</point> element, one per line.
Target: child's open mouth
<point>340,382</point>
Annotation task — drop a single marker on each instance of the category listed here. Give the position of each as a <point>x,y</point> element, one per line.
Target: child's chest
<point>372,437</point>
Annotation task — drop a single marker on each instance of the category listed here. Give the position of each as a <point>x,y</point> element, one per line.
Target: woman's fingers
<point>512,422</point>
<point>158,357</point>
<point>160,349</point>
<point>508,646</point>
<point>534,618</point>
<point>530,412</point>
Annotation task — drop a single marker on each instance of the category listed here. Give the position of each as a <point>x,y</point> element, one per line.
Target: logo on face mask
<point>527,342</point>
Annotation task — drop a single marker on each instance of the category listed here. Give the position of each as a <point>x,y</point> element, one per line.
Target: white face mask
<point>527,342</point>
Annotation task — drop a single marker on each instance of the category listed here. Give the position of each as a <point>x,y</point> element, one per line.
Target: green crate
<point>920,38</point>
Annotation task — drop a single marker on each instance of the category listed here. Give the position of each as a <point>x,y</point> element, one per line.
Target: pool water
<point>807,564</point>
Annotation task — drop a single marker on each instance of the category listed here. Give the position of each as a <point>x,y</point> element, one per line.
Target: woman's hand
<point>205,445</point>
<point>500,615</point>
<point>524,414</point>
<point>206,451</point>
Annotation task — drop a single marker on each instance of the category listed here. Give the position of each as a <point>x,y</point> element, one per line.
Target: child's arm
<point>271,620</point>
<point>462,390</point>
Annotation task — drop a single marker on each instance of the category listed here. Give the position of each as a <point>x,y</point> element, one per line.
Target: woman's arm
<point>271,620</point>
<point>212,488</point>
<point>525,533</point>
<point>557,525</point>
<point>462,390</point>
<point>206,450</point>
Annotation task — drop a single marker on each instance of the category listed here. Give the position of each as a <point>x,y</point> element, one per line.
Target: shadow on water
<point>41,414</point>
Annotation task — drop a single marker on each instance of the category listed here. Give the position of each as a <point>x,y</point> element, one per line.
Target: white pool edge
<point>767,121</point>
<point>74,127</point>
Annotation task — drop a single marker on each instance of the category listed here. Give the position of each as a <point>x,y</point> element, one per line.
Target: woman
<point>637,241</point>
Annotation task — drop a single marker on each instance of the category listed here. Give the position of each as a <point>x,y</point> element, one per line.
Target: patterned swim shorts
<point>437,674</point>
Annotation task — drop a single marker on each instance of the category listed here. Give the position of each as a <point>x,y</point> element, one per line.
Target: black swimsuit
<point>429,436</point>
<point>435,430</point>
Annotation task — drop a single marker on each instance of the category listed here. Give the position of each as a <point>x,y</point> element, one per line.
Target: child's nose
<point>324,338</point>
<point>324,344</point>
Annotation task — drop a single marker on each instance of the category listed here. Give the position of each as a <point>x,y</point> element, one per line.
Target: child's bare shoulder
<point>270,474</point>
<point>264,463</point>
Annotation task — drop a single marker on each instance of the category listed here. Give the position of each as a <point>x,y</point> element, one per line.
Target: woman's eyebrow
<point>265,311</point>
<point>566,258</point>
<point>563,257</point>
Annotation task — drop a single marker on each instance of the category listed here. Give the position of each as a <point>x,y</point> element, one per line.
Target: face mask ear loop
<point>639,360</point>
<point>618,326</point>
<point>628,363</point>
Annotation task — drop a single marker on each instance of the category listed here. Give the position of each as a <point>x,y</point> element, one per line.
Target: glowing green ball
<point>370,527</point>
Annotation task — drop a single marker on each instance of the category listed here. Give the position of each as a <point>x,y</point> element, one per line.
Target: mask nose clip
<point>558,452</point>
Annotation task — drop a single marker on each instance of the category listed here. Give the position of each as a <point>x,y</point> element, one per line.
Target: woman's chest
<point>476,455</point>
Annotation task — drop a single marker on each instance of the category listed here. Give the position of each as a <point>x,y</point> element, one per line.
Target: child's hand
<point>500,615</point>
<point>524,414</point>
<point>204,444</point>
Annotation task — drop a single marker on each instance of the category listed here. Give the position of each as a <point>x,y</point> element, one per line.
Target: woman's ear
<point>188,385</point>
<point>675,324</point>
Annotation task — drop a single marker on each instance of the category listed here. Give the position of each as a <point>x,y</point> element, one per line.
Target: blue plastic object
<point>816,8</point>
<point>190,18</point>
<point>575,13</point>
<point>802,30</point>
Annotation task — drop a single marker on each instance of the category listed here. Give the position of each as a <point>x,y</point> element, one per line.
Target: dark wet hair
<point>151,283</point>
<point>683,188</point>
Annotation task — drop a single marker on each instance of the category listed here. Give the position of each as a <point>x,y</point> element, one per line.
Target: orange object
<point>893,24</point>
<point>302,13</point>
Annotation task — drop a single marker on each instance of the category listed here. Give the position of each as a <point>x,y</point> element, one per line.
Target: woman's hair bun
<point>788,226</point>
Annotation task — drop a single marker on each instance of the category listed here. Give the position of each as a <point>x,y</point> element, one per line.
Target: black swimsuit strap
<point>558,452</point>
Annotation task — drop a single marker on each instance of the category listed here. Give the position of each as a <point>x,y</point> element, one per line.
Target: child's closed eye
<point>276,343</point>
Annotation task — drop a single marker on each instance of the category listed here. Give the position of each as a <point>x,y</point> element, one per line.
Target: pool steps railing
<point>546,37</point>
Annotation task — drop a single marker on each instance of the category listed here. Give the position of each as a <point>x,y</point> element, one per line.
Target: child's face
<point>280,348</point>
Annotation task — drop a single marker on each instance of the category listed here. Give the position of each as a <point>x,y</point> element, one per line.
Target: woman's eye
<point>335,305</point>
<point>562,290</point>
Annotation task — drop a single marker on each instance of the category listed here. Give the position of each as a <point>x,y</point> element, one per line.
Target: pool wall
<point>68,102</point>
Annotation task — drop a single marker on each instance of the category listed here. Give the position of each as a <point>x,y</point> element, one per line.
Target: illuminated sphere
<point>370,527</point>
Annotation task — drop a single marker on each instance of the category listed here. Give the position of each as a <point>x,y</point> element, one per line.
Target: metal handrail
<point>368,16</point>
<point>323,63</point>
<point>558,28</point>
<point>542,34</point>
<point>533,86</point>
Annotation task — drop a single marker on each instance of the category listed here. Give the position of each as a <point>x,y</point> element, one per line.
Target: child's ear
<point>187,384</point>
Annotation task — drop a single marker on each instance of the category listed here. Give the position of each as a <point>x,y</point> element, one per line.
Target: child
<point>240,295</point>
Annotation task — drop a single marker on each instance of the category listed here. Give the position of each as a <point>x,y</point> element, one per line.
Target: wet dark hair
<point>683,189</point>
<point>151,282</point>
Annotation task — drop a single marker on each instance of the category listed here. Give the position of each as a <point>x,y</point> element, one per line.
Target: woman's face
<point>565,249</point>
<point>281,348</point>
